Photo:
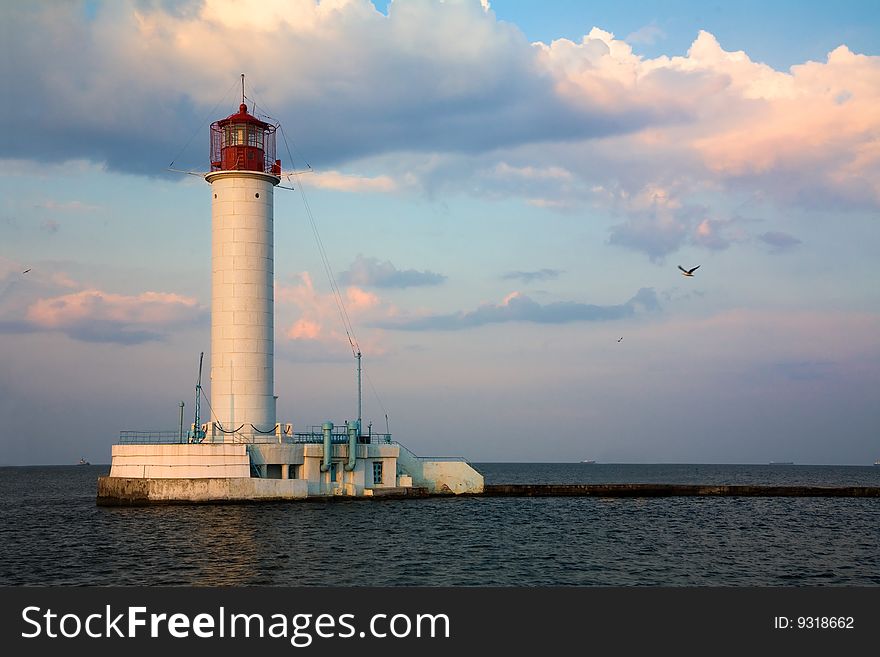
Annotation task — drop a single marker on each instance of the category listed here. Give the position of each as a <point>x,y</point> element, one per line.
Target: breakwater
<point>529,490</point>
<point>673,490</point>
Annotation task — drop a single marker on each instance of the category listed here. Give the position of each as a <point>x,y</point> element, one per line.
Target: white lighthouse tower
<point>243,176</point>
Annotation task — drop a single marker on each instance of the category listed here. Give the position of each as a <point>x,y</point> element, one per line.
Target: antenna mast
<point>359,391</point>
<point>242,89</point>
<point>197,432</point>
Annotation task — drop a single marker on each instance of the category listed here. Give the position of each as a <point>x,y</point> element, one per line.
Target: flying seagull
<point>26,270</point>
<point>688,272</point>
<point>619,339</point>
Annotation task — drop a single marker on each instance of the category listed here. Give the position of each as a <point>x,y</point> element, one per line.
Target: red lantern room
<point>241,142</point>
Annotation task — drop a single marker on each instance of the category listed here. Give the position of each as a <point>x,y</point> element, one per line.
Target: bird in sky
<point>619,339</point>
<point>688,272</point>
<point>26,270</point>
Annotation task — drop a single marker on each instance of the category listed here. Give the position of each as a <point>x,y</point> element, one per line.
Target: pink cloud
<point>583,114</point>
<point>90,314</point>
<point>800,119</point>
<point>510,297</point>
<point>812,128</point>
<point>149,308</point>
<point>304,329</point>
<point>317,323</point>
<point>361,300</point>
<point>96,316</point>
<point>349,182</point>
<point>718,234</point>
<point>63,280</point>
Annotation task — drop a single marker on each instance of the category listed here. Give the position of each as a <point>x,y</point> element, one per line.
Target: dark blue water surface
<point>52,533</point>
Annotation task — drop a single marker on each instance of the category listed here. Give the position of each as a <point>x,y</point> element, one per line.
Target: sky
<point>505,192</point>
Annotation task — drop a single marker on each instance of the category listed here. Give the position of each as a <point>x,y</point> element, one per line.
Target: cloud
<point>723,124</point>
<point>658,224</point>
<point>50,226</point>
<point>505,171</point>
<point>62,279</point>
<point>304,329</point>
<point>10,269</point>
<point>517,307</point>
<point>718,234</point>
<point>647,34</point>
<point>552,204</point>
<point>779,241</point>
<point>675,293</point>
<point>18,289</point>
<point>442,96</point>
<point>372,273</point>
<point>542,186</point>
<point>310,323</point>
<point>656,233</point>
<point>348,182</point>
<point>96,316</point>
<point>531,276</point>
<point>646,299</point>
<point>426,77</point>
<point>66,206</point>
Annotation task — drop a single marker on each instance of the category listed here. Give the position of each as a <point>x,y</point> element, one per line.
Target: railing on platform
<point>339,436</point>
<point>451,459</point>
<point>151,438</point>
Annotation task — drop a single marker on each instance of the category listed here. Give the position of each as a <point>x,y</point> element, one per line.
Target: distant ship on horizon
<point>781,462</point>
<point>82,461</point>
<point>587,461</point>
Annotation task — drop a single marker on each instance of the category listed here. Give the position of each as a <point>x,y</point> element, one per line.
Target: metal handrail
<point>443,458</point>
<point>150,437</point>
<point>339,437</point>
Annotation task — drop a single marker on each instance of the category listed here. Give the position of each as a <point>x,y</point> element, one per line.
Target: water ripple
<point>52,533</point>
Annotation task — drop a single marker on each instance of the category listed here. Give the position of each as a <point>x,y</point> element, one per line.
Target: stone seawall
<point>125,491</point>
<point>673,490</point>
<point>119,491</point>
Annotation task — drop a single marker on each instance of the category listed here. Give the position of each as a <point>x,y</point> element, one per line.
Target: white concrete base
<point>440,475</point>
<point>113,491</point>
<point>184,461</point>
<point>226,472</point>
<point>451,477</point>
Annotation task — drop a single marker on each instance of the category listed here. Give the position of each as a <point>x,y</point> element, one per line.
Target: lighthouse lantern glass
<point>243,142</point>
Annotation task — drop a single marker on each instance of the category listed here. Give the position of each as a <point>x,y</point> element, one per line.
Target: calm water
<point>51,533</point>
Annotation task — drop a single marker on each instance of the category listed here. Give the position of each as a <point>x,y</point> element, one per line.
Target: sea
<point>52,533</point>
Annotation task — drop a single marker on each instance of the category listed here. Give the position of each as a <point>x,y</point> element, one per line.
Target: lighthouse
<point>243,453</point>
<point>243,176</point>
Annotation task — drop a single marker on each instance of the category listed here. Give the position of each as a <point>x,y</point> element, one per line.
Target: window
<point>377,472</point>
<point>255,136</point>
<point>333,468</point>
<point>293,471</point>
<point>234,134</point>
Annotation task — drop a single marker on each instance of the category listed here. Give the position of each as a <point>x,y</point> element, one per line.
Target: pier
<point>141,492</point>
<point>673,490</point>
